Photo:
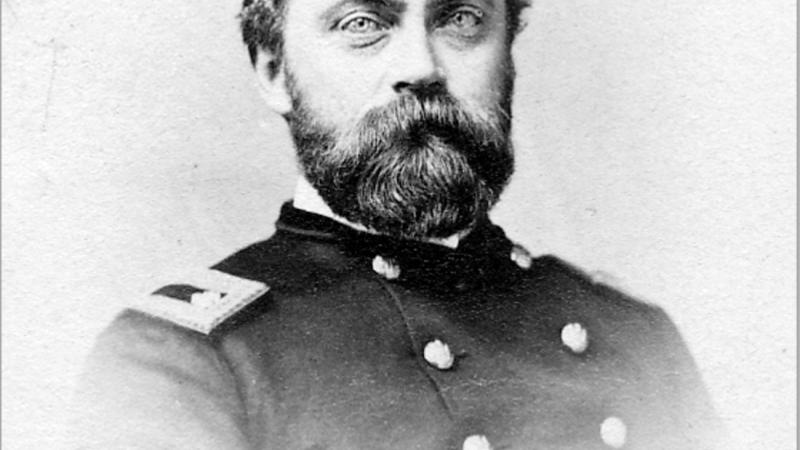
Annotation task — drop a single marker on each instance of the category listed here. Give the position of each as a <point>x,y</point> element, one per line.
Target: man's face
<point>401,108</point>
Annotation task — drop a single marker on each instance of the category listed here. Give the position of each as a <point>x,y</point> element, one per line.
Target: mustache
<point>412,119</point>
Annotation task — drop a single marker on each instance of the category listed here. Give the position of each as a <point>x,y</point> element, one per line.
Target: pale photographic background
<point>656,142</point>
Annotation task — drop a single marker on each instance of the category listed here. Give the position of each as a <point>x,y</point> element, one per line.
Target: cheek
<point>334,85</point>
<point>338,92</point>
<point>478,76</point>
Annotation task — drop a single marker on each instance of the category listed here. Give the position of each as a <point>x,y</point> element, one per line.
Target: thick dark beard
<point>422,166</point>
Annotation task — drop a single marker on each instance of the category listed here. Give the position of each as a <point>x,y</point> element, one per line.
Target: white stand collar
<point>308,199</point>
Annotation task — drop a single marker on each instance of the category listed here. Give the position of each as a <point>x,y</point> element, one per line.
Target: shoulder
<point>595,290</point>
<point>140,377</point>
<point>625,322</point>
<point>181,323</point>
<point>207,300</point>
<point>216,299</point>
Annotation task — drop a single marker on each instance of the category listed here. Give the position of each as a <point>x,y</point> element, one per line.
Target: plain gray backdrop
<point>655,139</point>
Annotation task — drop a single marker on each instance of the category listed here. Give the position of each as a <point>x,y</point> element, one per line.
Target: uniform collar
<point>481,258</point>
<point>306,198</point>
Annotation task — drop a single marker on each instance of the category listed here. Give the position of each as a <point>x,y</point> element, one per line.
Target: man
<point>387,311</point>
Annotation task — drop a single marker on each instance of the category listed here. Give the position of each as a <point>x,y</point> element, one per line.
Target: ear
<point>272,82</point>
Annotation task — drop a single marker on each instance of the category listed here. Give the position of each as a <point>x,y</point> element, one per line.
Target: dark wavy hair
<point>262,25</point>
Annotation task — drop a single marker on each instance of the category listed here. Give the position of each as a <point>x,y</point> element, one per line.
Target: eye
<point>464,20</point>
<point>362,24</point>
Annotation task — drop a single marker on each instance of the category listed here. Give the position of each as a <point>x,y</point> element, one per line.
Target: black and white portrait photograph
<point>399,225</point>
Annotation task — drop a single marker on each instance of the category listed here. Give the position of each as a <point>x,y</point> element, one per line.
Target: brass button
<point>438,354</point>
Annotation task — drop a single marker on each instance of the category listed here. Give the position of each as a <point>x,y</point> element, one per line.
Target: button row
<point>389,269</point>
<point>438,354</point>
<point>574,336</point>
<point>613,432</point>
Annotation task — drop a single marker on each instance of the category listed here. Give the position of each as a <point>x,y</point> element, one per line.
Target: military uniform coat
<point>342,339</point>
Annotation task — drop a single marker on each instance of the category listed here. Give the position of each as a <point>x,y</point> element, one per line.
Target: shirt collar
<point>307,198</point>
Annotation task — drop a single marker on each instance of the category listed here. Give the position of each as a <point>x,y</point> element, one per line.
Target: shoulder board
<point>203,300</point>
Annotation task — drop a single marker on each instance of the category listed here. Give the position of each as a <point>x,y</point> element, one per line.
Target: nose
<point>416,65</point>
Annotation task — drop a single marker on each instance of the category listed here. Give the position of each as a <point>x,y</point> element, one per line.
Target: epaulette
<point>202,300</point>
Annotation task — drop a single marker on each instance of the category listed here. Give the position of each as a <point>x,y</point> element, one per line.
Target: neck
<point>308,199</point>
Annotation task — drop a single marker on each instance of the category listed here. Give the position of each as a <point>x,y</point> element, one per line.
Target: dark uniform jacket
<point>338,339</point>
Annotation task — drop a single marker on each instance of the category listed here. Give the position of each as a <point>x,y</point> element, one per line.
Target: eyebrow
<point>437,5</point>
<point>394,5</point>
<point>399,6</point>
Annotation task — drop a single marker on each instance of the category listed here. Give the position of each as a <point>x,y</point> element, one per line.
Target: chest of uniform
<point>416,404</point>
<point>429,378</point>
